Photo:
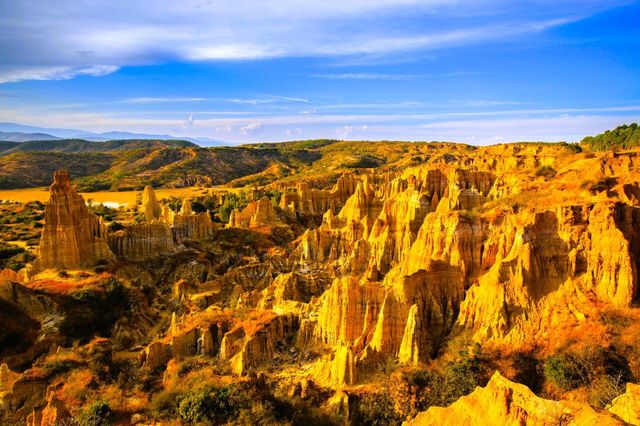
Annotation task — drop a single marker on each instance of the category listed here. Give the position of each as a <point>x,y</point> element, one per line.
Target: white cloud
<point>251,127</point>
<point>346,132</point>
<point>157,100</point>
<point>367,76</point>
<point>40,39</point>
<point>188,122</point>
<point>265,100</point>
<point>294,132</point>
<point>11,74</point>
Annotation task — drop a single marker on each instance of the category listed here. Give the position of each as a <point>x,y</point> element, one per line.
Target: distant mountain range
<point>25,137</point>
<point>14,132</point>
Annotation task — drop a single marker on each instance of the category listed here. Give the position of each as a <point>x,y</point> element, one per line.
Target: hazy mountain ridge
<point>21,133</point>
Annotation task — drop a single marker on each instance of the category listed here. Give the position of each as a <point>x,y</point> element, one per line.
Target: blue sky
<point>472,71</point>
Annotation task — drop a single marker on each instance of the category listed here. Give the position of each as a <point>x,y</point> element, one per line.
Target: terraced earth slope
<point>328,282</point>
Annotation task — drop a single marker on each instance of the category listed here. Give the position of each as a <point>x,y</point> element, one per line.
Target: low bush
<point>376,410</point>
<point>92,313</point>
<point>98,414</point>
<point>566,372</point>
<point>547,172</point>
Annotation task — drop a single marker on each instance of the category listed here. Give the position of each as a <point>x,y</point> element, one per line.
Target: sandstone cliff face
<point>246,345</point>
<point>54,413</point>
<point>11,275</point>
<point>612,270</point>
<point>256,214</point>
<point>150,207</point>
<point>308,200</point>
<point>163,232</point>
<point>556,261</point>
<point>7,378</point>
<point>187,225</point>
<point>627,405</point>
<point>411,262</point>
<point>293,288</point>
<point>72,237</point>
<point>143,241</point>
<point>339,369</point>
<point>25,395</point>
<point>503,402</point>
<point>260,346</point>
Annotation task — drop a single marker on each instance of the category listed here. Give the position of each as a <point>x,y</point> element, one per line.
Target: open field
<point>120,197</point>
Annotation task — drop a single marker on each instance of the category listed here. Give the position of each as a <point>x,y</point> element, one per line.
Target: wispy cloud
<point>486,102</point>
<point>42,40</point>
<point>264,100</point>
<point>484,126</point>
<point>367,76</point>
<point>251,128</point>
<point>159,100</point>
<point>10,74</point>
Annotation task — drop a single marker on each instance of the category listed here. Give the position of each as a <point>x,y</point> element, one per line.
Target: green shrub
<point>90,313</point>
<point>605,389</point>
<point>7,250</point>
<point>98,414</point>
<point>365,162</point>
<point>622,137</point>
<point>546,172</point>
<point>567,372</point>
<point>165,404</point>
<point>207,404</point>
<point>231,202</point>
<point>441,388</point>
<point>57,367</point>
<point>376,410</point>
<point>198,207</point>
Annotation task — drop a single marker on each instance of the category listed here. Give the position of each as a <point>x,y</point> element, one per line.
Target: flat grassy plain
<point>121,197</point>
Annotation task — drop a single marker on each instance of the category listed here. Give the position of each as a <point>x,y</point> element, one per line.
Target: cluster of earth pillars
<point>497,286</point>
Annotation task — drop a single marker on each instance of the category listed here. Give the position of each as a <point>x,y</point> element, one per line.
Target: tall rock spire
<point>72,237</point>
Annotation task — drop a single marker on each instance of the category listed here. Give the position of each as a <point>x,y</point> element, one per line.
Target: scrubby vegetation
<point>442,386</point>
<point>602,371</point>
<point>546,172</point>
<point>93,312</point>
<point>622,137</point>
<point>20,227</point>
<point>239,403</point>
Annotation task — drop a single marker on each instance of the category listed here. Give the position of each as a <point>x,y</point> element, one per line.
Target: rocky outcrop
<point>188,225</point>
<point>26,395</point>
<point>467,189</point>
<point>338,369</point>
<point>150,207</point>
<point>251,348</point>
<point>30,302</point>
<point>544,276</point>
<point>627,405</point>
<point>347,312</point>
<point>246,345</point>
<point>409,352</point>
<point>503,402</point>
<point>143,241</point>
<point>11,275</point>
<point>72,237</point>
<point>307,200</point>
<point>293,287</point>
<point>163,232</point>
<point>256,214</point>
<point>612,271</point>
<point>7,378</point>
<point>54,413</point>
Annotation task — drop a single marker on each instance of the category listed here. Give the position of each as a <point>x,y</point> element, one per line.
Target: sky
<point>472,71</point>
